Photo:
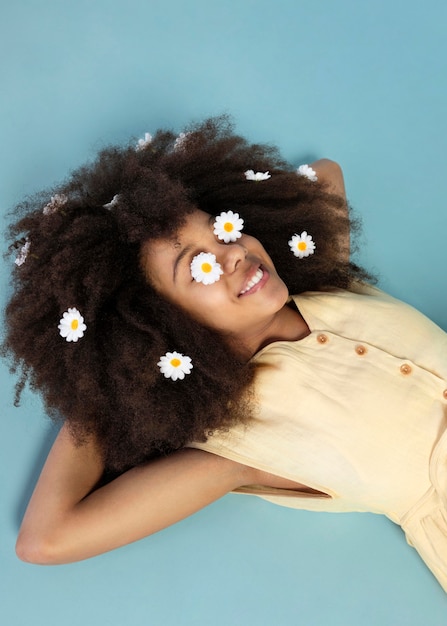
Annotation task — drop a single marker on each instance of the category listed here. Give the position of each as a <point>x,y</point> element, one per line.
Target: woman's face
<point>236,304</point>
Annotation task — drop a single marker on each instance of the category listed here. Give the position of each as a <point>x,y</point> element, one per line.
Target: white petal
<point>306,171</point>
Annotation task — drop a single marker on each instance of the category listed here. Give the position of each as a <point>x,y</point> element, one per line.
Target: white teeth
<point>253,281</point>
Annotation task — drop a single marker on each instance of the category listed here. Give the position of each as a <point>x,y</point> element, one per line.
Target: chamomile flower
<point>23,253</point>
<point>205,269</point>
<point>228,226</point>
<point>306,171</point>
<point>250,175</point>
<point>113,202</point>
<point>174,365</point>
<point>57,201</point>
<point>71,325</point>
<point>181,140</point>
<point>143,143</point>
<point>302,245</point>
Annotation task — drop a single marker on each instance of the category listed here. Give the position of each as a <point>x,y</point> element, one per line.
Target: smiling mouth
<point>254,280</point>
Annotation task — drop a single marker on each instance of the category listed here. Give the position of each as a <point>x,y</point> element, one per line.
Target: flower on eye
<point>143,143</point>
<point>23,253</point>
<point>228,226</point>
<point>174,365</point>
<point>56,202</point>
<point>302,245</point>
<point>113,202</point>
<point>250,175</point>
<point>205,269</point>
<point>306,171</point>
<point>71,325</point>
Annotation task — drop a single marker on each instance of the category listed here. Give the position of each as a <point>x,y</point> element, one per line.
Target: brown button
<point>444,393</point>
<point>322,338</point>
<point>405,369</point>
<point>361,350</point>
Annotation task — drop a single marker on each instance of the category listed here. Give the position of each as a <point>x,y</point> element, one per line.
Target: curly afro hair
<point>86,254</point>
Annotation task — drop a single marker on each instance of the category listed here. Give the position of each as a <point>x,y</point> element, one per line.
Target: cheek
<point>207,306</point>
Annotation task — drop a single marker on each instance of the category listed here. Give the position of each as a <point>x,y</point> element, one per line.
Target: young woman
<point>152,311</point>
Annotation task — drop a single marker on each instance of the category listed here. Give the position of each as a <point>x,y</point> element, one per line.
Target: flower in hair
<point>306,171</point>
<point>205,269</point>
<point>56,202</point>
<point>71,325</point>
<point>302,245</point>
<point>250,175</point>
<point>113,202</point>
<point>143,143</point>
<point>179,143</point>
<point>174,365</point>
<point>228,226</point>
<point>23,253</point>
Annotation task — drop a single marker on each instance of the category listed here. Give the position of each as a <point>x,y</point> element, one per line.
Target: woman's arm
<point>331,174</point>
<point>66,521</point>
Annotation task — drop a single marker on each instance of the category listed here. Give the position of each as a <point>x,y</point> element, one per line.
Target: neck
<point>287,325</point>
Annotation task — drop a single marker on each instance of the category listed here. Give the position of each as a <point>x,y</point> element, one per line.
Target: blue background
<point>362,83</point>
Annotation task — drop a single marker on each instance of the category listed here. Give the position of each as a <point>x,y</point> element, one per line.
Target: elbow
<point>33,549</point>
<point>333,170</point>
<point>330,172</point>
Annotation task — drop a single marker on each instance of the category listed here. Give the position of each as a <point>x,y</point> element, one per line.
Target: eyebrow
<point>186,250</point>
<point>177,261</point>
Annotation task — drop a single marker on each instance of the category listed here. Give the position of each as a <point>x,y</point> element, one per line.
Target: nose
<point>230,256</point>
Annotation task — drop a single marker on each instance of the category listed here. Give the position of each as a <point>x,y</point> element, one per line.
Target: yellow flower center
<point>228,227</point>
<point>206,268</point>
<point>302,245</point>
<point>175,362</point>
<point>74,324</point>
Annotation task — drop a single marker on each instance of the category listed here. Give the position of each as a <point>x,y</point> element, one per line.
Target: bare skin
<point>68,520</point>
<point>249,320</point>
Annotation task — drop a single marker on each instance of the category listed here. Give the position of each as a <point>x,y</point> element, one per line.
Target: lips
<point>255,282</point>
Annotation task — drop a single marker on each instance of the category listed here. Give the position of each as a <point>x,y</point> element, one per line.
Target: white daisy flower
<point>228,226</point>
<point>143,143</point>
<point>55,203</point>
<point>179,143</point>
<point>23,253</point>
<point>113,202</point>
<point>71,325</point>
<point>308,172</point>
<point>302,245</point>
<point>250,175</point>
<point>205,269</point>
<point>174,365</point>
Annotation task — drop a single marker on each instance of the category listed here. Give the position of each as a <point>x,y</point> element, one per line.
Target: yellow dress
<point>356,410</point>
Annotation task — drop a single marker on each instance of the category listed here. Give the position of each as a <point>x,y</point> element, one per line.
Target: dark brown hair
<point>86,255</point>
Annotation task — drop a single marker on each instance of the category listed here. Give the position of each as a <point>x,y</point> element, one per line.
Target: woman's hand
<point>66,521</point>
